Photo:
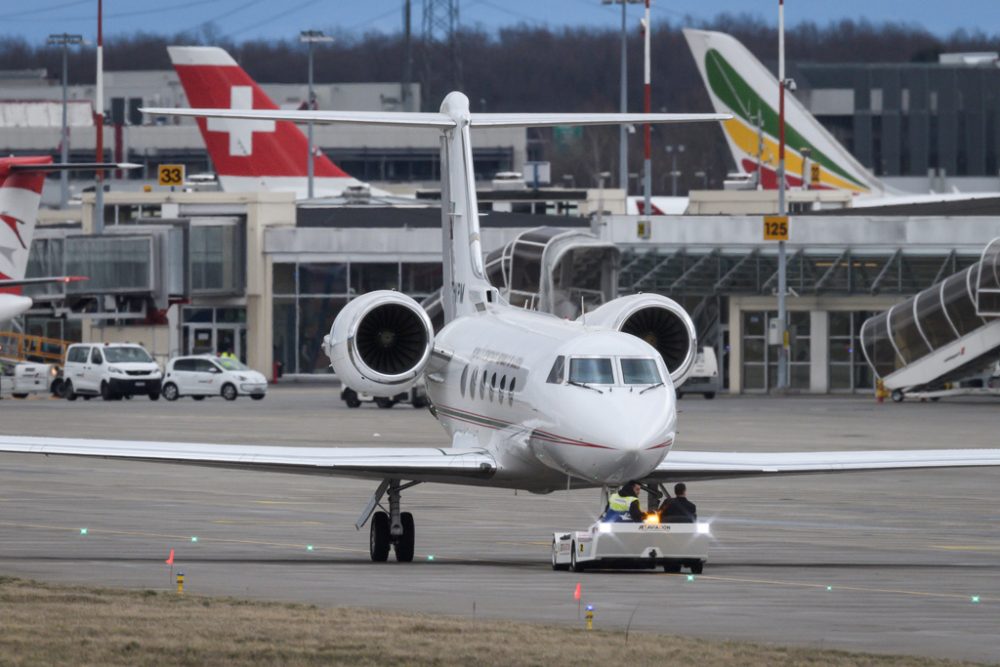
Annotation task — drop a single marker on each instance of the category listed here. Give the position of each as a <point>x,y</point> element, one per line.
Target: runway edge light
<point>975,599</point>
<point>83,531</point>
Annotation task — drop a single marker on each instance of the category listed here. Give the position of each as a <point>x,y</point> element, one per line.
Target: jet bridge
<point>943,334</point>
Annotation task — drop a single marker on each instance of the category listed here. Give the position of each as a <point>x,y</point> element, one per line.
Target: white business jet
<point>529,401</point>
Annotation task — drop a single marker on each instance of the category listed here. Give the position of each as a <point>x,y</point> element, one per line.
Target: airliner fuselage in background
<point>528,401</point>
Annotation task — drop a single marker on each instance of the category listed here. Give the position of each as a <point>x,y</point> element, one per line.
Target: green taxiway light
<point>430,557</point>
<point>690,577</point>
<point>83,531</point>
<point>829,588</point>
<point>975,599</point>
<point>194,538</point>
<point>309,547</point>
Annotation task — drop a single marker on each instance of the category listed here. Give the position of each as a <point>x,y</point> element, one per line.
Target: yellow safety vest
<point>619,503</point>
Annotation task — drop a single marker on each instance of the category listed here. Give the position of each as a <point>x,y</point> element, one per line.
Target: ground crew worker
<point>678,509</point>
<point>624,505</point>
<point>227,354</point>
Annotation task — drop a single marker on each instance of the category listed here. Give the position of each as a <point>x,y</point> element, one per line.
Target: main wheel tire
<point>68,392</point>
<point>573,564</point>
<point>697,567</point>
<point>153,397</point>
<point>351,398</point>
<point>404,547</point>
<point>170,392</point>
<point>897,396</point>
<point>379,538</point>
<point>229,392</point>
<point>198,398</point>
<point>557,566</point>
<point>384,402</point>
<point>106,393</point>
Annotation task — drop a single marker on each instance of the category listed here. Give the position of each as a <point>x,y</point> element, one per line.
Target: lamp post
<point>673,151</point>
<point>65,40</point>
<point>311,37</point>
<point>647,181</point>
<point>782,259</point>
<point>623,132</point>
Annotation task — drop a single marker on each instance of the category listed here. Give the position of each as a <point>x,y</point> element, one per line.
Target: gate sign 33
<point>170,175</point>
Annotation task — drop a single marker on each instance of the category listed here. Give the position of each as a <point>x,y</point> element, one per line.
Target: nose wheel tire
<point>384,403</point>
<point>379,538</point>
<point>405,542</point>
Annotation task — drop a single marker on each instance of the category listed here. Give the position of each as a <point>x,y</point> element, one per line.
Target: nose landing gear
<point>389,530</point>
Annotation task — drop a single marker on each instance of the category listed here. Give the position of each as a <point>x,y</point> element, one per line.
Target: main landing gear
<point>389,530</point>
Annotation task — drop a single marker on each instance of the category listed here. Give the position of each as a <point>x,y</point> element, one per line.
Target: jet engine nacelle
<point>380,343</point>
<point>659,321</point>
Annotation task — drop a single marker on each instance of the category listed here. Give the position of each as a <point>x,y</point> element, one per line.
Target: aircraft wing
<point>425,464</point>
<point>682,466</point>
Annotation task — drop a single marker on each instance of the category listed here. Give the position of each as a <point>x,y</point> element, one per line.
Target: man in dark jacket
<point>678,509</point>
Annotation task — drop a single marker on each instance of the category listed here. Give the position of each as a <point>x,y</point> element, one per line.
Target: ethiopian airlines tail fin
<point>249,155</point>
<point>739,84</point>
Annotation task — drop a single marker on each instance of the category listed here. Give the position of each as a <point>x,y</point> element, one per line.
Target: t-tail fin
<point>466,287</point>
<point>740,85</point>
<point>249,155</point>
<point>20,196</point>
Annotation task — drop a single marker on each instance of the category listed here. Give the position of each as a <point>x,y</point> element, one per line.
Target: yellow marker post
<point>775,227</point>
<point>590,617</point>
<point>170,175</point>
<point>180,583</point>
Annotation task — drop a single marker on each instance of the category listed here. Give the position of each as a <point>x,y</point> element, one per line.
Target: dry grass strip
<point>43,624</point>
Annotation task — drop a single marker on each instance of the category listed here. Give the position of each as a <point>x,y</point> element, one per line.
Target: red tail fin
<point>20,195</point>
<point>212,79</point>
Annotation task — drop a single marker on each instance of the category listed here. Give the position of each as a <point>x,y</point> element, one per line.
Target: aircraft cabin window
<point>493,381</point>
<point>591,371</point>
<point>465,376</point>
<point>503,383</point>
<point>512,382</point>
<point>556,374</point>
<point>640,371</point>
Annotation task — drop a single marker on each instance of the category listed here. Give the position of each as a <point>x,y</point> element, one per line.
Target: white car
<point>628,545</point>
<point>208,375</point>
<point>111,371</point>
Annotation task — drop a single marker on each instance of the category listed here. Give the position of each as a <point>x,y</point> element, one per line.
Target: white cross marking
<point>240,130</point>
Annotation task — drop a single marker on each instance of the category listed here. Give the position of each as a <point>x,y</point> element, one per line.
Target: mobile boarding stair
<point>944,340</point>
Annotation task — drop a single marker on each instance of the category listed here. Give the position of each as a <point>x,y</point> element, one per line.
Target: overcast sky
<point>249,19</point>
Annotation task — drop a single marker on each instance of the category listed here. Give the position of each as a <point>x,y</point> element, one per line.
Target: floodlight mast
<point>623,131</point>
<point>311,37</point>
<point>65,40</point>
<point>782,209</point>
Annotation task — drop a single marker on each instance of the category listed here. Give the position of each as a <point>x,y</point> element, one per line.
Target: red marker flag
<point>576,593</point>
<point>170,561</point>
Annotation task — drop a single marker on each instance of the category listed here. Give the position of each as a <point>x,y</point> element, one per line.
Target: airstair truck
<point>945,334</point>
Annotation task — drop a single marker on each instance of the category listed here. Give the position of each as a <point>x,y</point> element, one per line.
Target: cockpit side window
<point>640,371</point>
<point>556,374</point>
<point>591,371</point>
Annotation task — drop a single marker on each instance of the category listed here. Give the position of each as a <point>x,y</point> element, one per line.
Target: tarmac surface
<point>877,562</point>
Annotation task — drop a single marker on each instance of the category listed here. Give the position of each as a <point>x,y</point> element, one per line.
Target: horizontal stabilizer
<point>73,166</point>
<point>438,120</point>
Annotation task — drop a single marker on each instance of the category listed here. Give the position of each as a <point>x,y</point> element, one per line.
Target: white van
<point>207,375</point>
<point>111,371</point>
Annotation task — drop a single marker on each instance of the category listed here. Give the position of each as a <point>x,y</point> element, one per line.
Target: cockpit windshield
<point>591,371</point>
<point>640,371</point>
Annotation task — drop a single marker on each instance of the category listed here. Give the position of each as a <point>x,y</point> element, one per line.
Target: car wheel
<point>672,567</point>
<point>257,397</point>
<point>709,395</point>
<point>404,548</point>
<point>351,398</point>
<point>152,397</point>
<point>573,564</point>
<point>67,391</point>
<point>170,392</point>
<point>229,392</point>
<point>106,393</point>
<point>697,567</point>
<point>378,543</point>
<point>897,396</point>
<point>383,402</point>
<point>57,388</point>
<point>556,565</point>
<point>198,398</point>
<point>19,395</point>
